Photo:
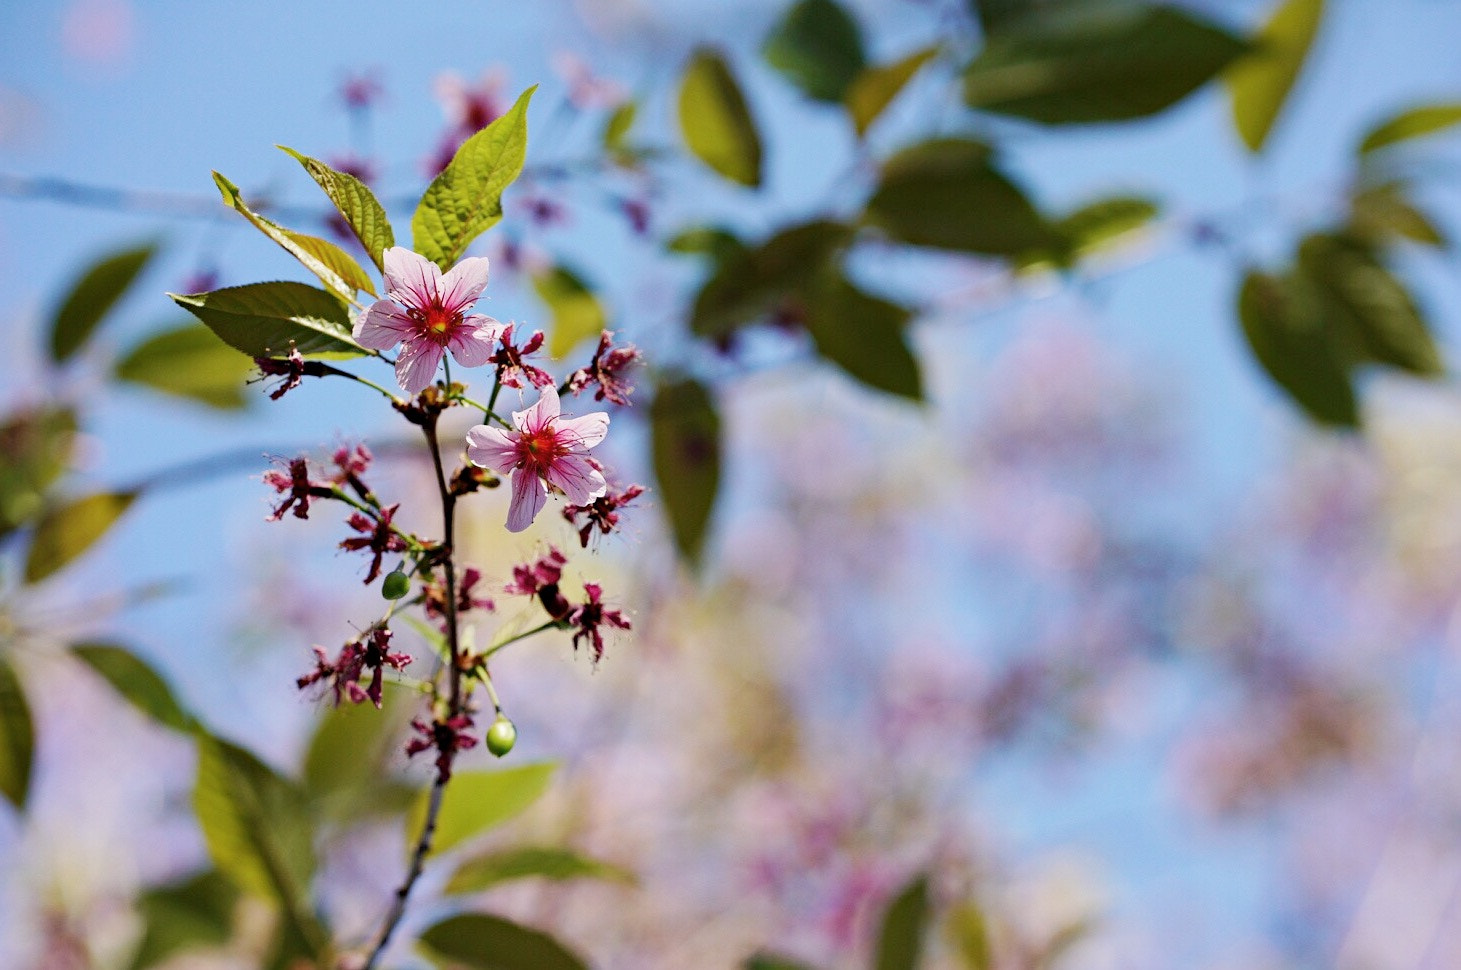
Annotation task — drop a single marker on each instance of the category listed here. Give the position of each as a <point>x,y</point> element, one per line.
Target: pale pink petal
<point>412,280</point>
<point>540,414</point>
<point>528,496</point>
<point>382,326</point>
<point>416,365</point>
<point>463,283</point>
<point>474,342</point>
<point>577,476</point>
<point>492,448</point>
<point>587,431</point>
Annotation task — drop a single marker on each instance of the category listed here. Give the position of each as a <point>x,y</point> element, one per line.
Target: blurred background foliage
<point>1048,561</point>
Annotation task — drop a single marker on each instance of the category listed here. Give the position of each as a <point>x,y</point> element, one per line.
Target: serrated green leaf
<point>1416,122</point>
<point>465,199</point>
<point>265,319</point>
<point>865,336</point>
<point>34,449</point>
<point>946,193</point>
<point>968,935</point>
<point>91,297</point>
<point>189,914</point>
<point>17,738</point>
<point>141,686</point>
<point>481,942</point>
<point>875,87</point>
<point>1365,303</point>
<point>191,362</point>
<point>577,313</point>
<point>685,441</point>
<point>357,205</point>
<point>1260,82</point>
<point>524,862</point>
<point>716,123</point>
<point>257,827</point>
<point>750,283</point>
<point>1381,214</point>
<point>476,801</point>
<point>66,531</point>
<point>818,47</point>
<point>1283,322</point>
<point>1113,63</point>
<point>900,941</point>
<point>772,961</point>
<point>334,267</point>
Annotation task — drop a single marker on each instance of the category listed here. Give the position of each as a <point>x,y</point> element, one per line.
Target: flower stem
<point>551,624</point>
<point>455,703</point>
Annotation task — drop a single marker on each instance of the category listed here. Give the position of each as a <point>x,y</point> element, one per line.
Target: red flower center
<point>539,448</point>
<point>437,323</point>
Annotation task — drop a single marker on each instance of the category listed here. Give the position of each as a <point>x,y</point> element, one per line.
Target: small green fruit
<point>501,736</point>
<point>395,585</point>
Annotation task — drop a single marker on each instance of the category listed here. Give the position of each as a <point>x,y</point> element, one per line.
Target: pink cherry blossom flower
<point>426,314</point>
<point>544,449</point>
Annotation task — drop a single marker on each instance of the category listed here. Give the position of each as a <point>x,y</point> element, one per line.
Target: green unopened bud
<point>501,736</point>
<point>395,585</point>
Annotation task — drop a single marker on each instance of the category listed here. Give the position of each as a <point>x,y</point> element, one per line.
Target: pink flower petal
<point>542,413</point>
<point>474,342</point>
<point>416,365</point>
<point>492,448</point>
<point>412,280</point>
<point>528,496</point>
<point>586,431</point>
<point>579,479</point>
<point>463,283</point>
<point>382,326</point>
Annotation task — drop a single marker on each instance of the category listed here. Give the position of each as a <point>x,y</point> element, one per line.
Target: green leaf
<point>968,934</point>
<point>544,862</point>
<point>875,87</point>
<point>772,961</point>
<point>1382,214</point>
<point>189,914</point>
<point>34,449</point>
<point>1260,82</point>
<point>142,687</point>
<point>476,801</point>
<point>999,15</point>
<point>17,738</point>
<point>346,767</point>
<point>191,362</point>
<point>1092,227</point>
<point>68,530</point>
<point>721,245</point>
<point>358,206</point>
<point>482,942</point>
<point>92,296</point>
<point>257,828</point>
<point>264,319</point>
<point>465,199</point>
<point>1364,302</point>
<point>716,123</point>
<point>751,283</point>
<point>334,267</point>
<point>818,47</point>
<point>945,193</point>
<point>685,435</point>
<point>1283,322</point>
<point>1414,122</point>
<point>616,129</point>
<point>865,336</point>
<point>577,313</point>
<point>900,942</point>
<point>1107,64</point>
